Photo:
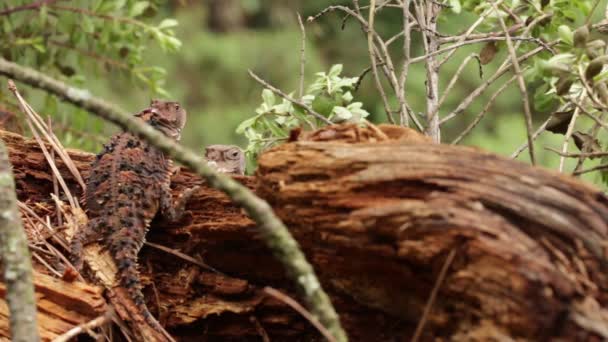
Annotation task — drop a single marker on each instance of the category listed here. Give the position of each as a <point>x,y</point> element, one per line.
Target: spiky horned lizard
<point>128,184</point>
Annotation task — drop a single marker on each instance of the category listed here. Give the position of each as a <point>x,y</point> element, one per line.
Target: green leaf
<point>347,97</point>
<point>167,23</point>
<point>138,8</point>
<point>335,70</point>
<point>246,124</point>
<point>275,129</point>
<point>342,113</point>
<point>455,5</point>
<point>87,24</point>
<point>566,34</point>
<point>43,14</point>
<point>268,97</point>
<point>323,105</point>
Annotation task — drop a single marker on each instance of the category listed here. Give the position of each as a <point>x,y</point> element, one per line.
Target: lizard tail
<point>125,252</point>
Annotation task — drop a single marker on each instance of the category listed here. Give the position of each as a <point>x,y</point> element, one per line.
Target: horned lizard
<point>128,184</point>
<point>226,158</point>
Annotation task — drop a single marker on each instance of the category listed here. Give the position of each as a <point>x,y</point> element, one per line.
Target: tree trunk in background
<point>377,213</point>
<point>225,15</point>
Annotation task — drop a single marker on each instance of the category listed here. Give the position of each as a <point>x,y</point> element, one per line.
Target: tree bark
<point>377,212</point>
<point>16,259</point>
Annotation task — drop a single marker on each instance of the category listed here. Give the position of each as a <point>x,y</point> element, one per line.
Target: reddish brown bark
<point>377,213</point>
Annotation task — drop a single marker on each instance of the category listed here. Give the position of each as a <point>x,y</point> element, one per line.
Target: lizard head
<point>167,116</point>
<point>226,158</point>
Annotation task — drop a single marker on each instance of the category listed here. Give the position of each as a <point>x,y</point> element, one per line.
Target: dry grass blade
<point>183,256</point>
<point>32,120</point>
<point>434,291</point>
<point>85,327</point>
<point>301,310</point>
<point>46,131</point>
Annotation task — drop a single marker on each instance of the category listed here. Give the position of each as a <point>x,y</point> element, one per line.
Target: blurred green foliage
<point>199,52</point>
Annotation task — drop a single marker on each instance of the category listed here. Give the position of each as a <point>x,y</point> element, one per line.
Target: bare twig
<point>290,99</point>
<point>182,256</point>
<point>33,6</point>
<point>434,291</point>
<point>521,83</point>
<point>577,155</point>
<point>372,55</point>
<point>406,58</point>
<point>568,135</point>
<point>272,231</point>
<point>82,328</point>
<point>481,88</point>
<point>52,140</point>
<point>302,57</point>
<point>260,329</point>
<point>483,111</point>
<point>595,168</point>
<point>539,130</point>
<point>296,306</point>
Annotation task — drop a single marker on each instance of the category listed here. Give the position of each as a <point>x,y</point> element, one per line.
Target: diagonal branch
<point>520,82</point>
<point>272,230</point>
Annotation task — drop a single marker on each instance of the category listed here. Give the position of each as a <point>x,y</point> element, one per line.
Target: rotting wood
<point>61,305</point>
<point>378,217</point>
<point>377,212</point>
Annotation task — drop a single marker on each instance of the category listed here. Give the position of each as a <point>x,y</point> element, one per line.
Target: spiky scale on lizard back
<point>128,184</point>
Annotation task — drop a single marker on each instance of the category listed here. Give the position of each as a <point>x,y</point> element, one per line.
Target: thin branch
<point>469,42</point>
<point>272,230</point>
<point>33,6</point>
<point>539,130</point>
<point>85,327</point>
<point>299,309</point>
<point>483,111</point>
<point>455,78</point>
<point>407,41</point>
<point>434,291</point>
<point>302,57</point>
<point>577,155</point>
<point>481,88</point>
<point>16,259</point>
<point>182,256</point>
<point>520,82</point>
<point>290,99</point>
<point>372,57</point>
<point>595,168</point>
<point>568,135</point>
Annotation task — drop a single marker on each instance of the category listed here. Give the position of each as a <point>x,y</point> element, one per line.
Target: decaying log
<point>61,305</point>
<point>379,216</point>
<point>377,213</point>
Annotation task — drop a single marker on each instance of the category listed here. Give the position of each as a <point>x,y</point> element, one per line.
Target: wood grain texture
<point>378,217</point>
<point>377,212</point>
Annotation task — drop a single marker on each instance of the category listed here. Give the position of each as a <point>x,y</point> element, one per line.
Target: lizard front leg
<point>171,210</point>
<point>89,233</point>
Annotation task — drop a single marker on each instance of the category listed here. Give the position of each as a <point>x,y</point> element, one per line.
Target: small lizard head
<point>226,158</point>
<point>167,116</point>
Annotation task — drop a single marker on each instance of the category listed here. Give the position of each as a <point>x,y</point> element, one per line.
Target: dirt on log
<point>387,219</point>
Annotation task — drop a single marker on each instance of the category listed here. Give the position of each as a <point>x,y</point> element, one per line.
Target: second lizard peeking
<point>128,184</point>
<point>226,158</point>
